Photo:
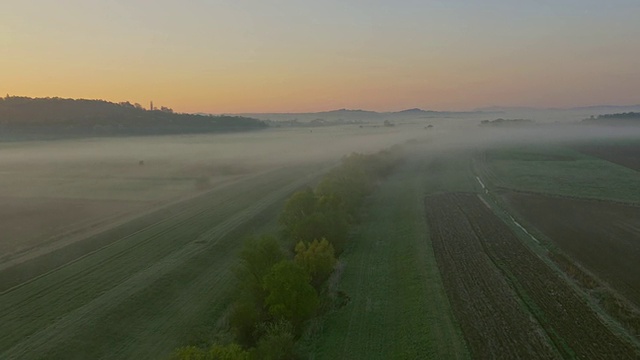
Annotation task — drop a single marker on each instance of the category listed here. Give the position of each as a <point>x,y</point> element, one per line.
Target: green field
<point>398,307</point>
<point>558,170</point>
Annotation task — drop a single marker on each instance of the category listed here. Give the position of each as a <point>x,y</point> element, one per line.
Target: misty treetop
<point>506,122</point>
<point>626,118</point>
<point>52,117</point>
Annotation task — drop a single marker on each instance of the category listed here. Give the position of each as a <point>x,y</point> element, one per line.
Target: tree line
<point>626,118</point>
<point>53,117</point>
<point>280,289</point>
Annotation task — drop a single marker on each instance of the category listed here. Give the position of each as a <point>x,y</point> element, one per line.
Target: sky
<point>243,56</point>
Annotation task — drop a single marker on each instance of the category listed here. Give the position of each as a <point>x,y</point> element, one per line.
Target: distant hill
<point>24,117</point>
<point>627,118</point>
<point>347,116</point>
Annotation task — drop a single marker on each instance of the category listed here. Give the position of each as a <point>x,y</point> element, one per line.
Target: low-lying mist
<point>55,187</point>
<point>160,167</point>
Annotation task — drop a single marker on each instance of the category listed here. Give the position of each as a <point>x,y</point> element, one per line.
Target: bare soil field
<point>507,300</point>
<point>602,236</point>
<point>627,155</point>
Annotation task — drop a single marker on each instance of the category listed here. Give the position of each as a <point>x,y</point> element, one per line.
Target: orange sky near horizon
<point>224,57</point>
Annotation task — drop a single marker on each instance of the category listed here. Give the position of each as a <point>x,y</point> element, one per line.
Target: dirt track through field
<point>56,312</point>
<point>505,297</point>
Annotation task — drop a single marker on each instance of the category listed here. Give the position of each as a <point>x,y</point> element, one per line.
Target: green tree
<point>277,343</point>
<point>318,258</point>
<point>245,317</point>
<point>298,207</point>
<point>290,295</point>
<point>329,225</point>
<point>188,353</point>
<point>257,258</point>
<point>216,352</point>
<point>230,351</point>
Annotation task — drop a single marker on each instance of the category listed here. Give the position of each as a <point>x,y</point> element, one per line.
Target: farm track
<point>74,305</point>
<point>573,327</point>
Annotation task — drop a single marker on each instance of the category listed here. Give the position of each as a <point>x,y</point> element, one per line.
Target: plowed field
<point>602,236</point>
<point>509,303</point>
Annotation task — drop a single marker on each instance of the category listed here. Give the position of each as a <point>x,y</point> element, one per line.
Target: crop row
<point>494,323</point>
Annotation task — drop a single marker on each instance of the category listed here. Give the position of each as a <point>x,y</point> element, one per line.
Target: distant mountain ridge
<point>358,115</point>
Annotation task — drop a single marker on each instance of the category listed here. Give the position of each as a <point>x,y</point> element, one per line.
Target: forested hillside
<point>53,117</point>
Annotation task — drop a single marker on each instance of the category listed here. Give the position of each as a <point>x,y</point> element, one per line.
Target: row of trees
<point>280,290</point>
<point>626,118</point>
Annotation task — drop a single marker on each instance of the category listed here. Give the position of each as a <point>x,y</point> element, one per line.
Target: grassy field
<point>398,306</point>
<point>447,172</point>
<point>148,290</point>
<point>558,170</point>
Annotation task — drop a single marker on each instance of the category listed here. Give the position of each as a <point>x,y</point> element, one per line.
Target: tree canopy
<point>317,258</point>
<point>290,296</point>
